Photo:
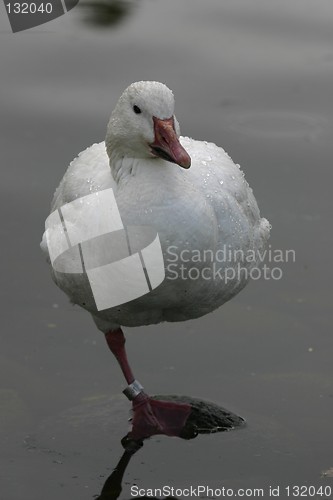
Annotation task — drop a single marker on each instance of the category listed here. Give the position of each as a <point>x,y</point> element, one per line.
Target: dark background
<point>256,78</point>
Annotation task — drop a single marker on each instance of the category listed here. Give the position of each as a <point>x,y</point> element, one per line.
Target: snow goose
<point>136,240</point>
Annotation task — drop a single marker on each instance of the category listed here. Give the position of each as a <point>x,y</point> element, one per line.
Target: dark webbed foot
<point>155,416</point>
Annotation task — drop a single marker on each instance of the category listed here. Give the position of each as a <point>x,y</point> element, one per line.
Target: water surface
<point>256,78</point>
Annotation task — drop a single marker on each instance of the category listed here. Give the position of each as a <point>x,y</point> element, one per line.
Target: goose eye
<point>136,109</point>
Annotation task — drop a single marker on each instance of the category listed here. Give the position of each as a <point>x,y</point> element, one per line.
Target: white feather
<point>209,206</point>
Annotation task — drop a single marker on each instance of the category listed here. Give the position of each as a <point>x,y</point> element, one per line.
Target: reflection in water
<point>94,424</point>
<point>106,13</point>
<point>205,418</point>
<point>112,486</point>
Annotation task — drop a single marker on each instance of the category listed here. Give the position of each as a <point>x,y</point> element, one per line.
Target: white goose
<point>206,218</point>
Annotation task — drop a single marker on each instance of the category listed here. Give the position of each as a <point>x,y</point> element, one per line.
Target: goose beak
<point>166,144</point>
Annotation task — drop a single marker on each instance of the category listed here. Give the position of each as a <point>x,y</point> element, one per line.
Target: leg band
<point>133,390</point>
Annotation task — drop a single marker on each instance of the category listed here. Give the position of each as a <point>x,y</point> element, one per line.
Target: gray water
<point>252,76</point>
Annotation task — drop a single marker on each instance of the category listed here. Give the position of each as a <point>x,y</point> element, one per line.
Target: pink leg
<point>151,416</point>
<point>116,342</point>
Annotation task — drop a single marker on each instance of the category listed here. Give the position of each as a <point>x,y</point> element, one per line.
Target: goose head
<point>143,125</point>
